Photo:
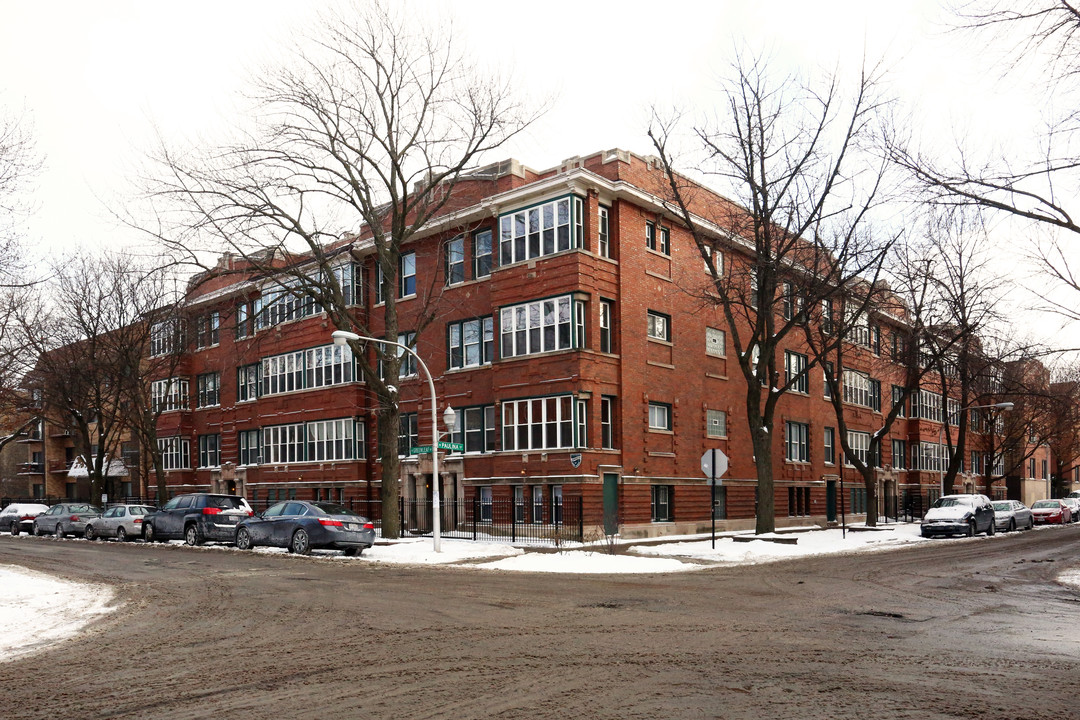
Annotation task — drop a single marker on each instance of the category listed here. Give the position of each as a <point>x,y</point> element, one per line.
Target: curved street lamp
<point>342,337</point>
<point>941,432</point>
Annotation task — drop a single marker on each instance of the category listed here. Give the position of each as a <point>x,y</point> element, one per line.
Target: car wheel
<point>121,534</point>
<point>243,539</point>
<point>352,552</point>
<point>59,532</point>
<point>971,529</point>
<point>301,543</point>
<point>992,529</point>
<point>1012,525</point>
<point>192,536</point>
<point>1031,524</point>
<point>37,530</point>
<point>148,534</point>
<point>14,528</point>
<point>89,533</point>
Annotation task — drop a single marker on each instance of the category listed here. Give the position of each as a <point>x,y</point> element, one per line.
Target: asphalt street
<point>947,629</point>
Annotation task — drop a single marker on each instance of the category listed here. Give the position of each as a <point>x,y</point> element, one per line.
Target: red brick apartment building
<point>577,362</point>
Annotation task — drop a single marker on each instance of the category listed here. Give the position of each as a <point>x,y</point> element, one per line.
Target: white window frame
<point>283,444</point>
<point>715,423</point>
<point>169,394</point>
<point>539,423</point>
<point>330,440</point>
<point>175,452</point>
<point>660,419</point>
<point>539,326</point>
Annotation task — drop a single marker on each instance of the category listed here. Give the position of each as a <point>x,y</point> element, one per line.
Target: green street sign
<point>422,449</point>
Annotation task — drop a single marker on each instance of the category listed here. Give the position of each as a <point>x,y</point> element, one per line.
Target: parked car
<point>66,519</point>
<point>959,514</point>
<point>19,517</point>
<point>1051,511</point>
<point>301,526</point>
<point>197,517</point>
<point>1012,515</point>
<point>120,521</point>
<point>1074,508</point>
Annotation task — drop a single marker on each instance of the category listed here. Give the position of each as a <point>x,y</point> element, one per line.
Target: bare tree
<point>790,154</point>
<point>1039,187</point>
<point>19,163</point>
<point>86,340</point>
<point>362,141</point>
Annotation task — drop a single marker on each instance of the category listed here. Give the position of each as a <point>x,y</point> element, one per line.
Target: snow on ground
<point>817,542</point>
<point>37,610</point>
<point>1071,577</point>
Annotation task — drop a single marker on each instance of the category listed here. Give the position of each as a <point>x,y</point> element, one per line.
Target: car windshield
<point>140,510</point>
<point>82,509</point>
<point>1045,504</point>
<point>332,509</point>
<point>1003,506</point>
<point>951,502</point>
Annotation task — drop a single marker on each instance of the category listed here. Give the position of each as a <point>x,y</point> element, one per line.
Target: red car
<point>1051,511</point>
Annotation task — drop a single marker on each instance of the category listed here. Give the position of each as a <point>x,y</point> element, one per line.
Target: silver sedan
<point>120,521</point>
<point>1012,515</point>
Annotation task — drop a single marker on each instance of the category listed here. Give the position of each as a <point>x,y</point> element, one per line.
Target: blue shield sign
<point>575,459</point>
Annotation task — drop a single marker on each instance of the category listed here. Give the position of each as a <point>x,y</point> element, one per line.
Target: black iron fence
<point>496,520</point>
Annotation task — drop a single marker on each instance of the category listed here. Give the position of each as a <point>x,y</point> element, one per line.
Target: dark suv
<point>196,518</point>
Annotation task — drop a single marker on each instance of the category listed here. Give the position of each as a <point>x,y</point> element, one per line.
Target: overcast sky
<point>98,79</point>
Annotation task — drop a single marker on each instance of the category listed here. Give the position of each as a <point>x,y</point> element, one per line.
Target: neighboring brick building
<point>578,363</point>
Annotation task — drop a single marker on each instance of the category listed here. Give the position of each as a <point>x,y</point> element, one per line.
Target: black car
<point>197,517</point>
<point>301,526</point>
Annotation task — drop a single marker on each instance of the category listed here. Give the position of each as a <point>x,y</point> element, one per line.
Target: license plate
<point>352,526</point>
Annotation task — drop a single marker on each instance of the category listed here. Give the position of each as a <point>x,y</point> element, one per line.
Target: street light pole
<point>941,432</point>
<point>342,337</point>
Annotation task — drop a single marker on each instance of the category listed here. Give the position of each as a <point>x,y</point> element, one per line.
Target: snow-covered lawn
<point>37,610</point>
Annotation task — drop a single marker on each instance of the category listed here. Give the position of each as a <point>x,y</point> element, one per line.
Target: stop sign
<point>714,464</point>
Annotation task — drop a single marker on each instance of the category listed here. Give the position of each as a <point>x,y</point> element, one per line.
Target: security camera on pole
<point>714,464</point>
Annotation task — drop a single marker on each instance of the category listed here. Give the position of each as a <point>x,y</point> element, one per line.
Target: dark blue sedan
<point>301,526</point>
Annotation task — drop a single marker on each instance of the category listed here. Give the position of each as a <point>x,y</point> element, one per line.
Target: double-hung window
<point>209,451</point>
<point>328,365</point>
<point>607,422</point>
<point>455,260</point>
<point>660,416</point>
<point>482,254</point>
<point>475,429</point>
<point>540,230</point>
<point>242,316</point>
<point>283,443</point>
<point>658,326</point>
<point>248,440</point>
<point>541,326</point>
<point>247,382</point>
<point>408,433</point>
<point>856,387</point>
<point>329,440</point>
<point>607,319</point>
<point>797,441</point>
<point>829,445</point>
<point>208,390</point>
<point>899,454</point>
<point>662,509</point>
<point>795,368</point>
<point>407,275</point>
<point>169,394</point>
<point>164,337</point>
<point>860,445</point>
<point>207,329</point>
<point>715,342</point>
<point>470,343</point>
<point>603,241</point>
<point>175,453</point>
<point>283,373</point>
<point>539,423</point>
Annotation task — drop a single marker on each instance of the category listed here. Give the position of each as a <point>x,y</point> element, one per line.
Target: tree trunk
<point>388,427</point>
<point>766,504</point>
<point>870,483</point>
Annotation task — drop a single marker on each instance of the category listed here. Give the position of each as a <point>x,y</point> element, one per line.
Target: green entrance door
<point>830,501</point>
<point>611,503</point>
